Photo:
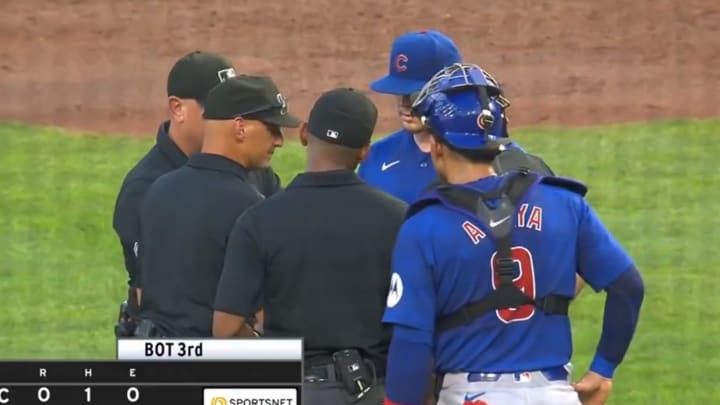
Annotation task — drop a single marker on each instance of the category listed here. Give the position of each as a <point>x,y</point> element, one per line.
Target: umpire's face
<point>195,120</point>
<point>186,115</point>
<point>259,140</point>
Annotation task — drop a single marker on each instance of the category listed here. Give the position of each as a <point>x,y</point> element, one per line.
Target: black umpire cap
<point>249,97</point>
<point>343,116</point>
<point>196,73</point>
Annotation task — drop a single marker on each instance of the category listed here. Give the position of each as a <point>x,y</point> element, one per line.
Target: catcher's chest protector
<point>474,203</point>
<point>514,159</point>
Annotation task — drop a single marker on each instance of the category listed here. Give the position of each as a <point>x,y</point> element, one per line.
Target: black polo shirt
<point>186,218</point>
<point>163,157</point>
<point>319,254</point>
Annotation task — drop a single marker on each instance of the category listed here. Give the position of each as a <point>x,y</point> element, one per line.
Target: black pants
<point>332,393</point>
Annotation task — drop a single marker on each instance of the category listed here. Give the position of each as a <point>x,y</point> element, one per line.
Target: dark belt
<point>149,329</point>
<point>325,372</point>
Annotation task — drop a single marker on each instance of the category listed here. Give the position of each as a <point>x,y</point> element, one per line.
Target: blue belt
<point>552,374</point>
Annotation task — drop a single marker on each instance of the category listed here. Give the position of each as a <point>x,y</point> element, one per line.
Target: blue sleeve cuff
<point>409,367</point>
<point>603,367</point>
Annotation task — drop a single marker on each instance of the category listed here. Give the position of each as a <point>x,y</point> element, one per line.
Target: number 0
<point>88,397</point>
<point>525,281</point>
<point>43,394</point>
<point>133,394</point>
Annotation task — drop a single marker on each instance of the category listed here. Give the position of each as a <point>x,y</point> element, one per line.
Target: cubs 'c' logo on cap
<point>401,62</point>
<point>226,74</point>
<point>283,103</point>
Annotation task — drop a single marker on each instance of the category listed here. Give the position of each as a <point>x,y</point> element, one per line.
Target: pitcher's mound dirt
<point>101,65</point>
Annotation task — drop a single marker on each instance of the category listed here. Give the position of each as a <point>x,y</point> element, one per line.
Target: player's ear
<point>304,134</point>
<point>176,109</point>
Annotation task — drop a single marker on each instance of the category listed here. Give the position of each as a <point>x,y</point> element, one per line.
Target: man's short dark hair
<point>339,154</point>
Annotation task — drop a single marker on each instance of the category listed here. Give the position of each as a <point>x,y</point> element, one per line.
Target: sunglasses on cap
<point>274,129</point>
<point>248,114</point>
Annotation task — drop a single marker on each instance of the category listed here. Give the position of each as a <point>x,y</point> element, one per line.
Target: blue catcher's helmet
<point>463,105</point>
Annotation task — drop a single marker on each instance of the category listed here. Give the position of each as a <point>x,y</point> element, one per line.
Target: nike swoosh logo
<point>493,224</point>
<point>386,166</point>
<point>471,398</point>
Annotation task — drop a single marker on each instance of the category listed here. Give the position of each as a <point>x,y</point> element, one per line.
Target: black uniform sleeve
<point>126,222</point>
<point>265,180</point>
<point>239,290</point>
<point>275,184</point>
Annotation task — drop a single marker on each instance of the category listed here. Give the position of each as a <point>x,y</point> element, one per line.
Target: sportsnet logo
<point>249,396</point>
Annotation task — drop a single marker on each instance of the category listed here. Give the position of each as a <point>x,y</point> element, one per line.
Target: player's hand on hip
<point>593,389</point>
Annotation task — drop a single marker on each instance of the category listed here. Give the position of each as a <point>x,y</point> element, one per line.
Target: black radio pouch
<point>146,329</point>
<point>354,373</point>
<point>128,316</point>
<point>125,326</point>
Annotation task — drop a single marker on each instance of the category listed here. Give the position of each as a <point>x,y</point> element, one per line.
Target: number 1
<point>88,396</point>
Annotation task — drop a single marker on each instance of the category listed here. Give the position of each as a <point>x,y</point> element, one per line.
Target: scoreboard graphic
<point>164,371</point>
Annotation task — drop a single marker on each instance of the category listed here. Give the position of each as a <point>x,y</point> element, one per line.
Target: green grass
<point>655,186</point>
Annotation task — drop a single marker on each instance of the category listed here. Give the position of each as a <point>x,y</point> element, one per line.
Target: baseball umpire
<point>188,83</point>
<point>316,257</point>
<point>187,214</point>
<point>482,287</point>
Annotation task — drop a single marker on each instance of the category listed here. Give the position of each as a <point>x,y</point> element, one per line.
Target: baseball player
<point>400,163</point>
<point>484,270</point>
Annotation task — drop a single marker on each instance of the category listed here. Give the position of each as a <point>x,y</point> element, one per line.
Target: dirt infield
<point>101,65</point>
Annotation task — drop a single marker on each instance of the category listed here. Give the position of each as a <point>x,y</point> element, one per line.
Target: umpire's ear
<point>176,109</point>
<point>304,134</point>
<point>364,152</point>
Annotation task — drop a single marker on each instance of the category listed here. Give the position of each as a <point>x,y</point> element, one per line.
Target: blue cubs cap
<point>461,105</point>
<point>414,58</point>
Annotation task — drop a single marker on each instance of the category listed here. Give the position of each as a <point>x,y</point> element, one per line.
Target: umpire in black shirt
<point>317,258</point>
<point>188,83</point>
<point>187,215</point>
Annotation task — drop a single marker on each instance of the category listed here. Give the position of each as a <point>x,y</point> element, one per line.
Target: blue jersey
<point>397,166</point>
<point>442,261</point>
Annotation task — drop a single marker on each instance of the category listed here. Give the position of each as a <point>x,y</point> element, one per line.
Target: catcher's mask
<point>464,106</point>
